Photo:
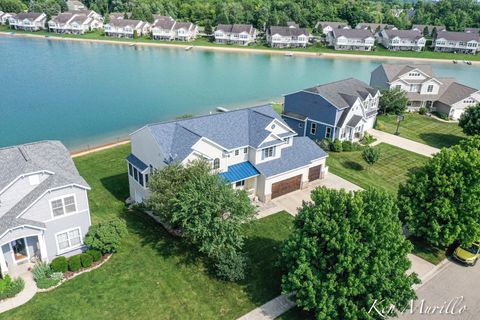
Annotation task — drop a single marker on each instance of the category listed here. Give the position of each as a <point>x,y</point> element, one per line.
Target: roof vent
<point>24,153</point>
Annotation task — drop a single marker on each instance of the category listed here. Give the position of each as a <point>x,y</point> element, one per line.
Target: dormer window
<point>268,152</point>
<point>237,152</point>
<point>216,164</point>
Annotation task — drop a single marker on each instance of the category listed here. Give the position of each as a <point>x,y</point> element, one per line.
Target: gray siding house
<point>44,210</point>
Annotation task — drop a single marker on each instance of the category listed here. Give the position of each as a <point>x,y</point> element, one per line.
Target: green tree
<point>14,6</point>
<point>440,202</point>
<point>393,101</point>
<point>346,251</point>
<point>49,7</point>
<point>371,156</point>
<point>470,120</point>
<point>106,236</point>
<point>208,27</point>
<point>207,210</point>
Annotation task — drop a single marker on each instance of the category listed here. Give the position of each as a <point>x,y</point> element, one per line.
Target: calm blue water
<point>85,93</point>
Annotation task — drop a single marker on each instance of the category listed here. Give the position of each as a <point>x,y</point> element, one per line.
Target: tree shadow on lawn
<point>117,185</point>
<point>440,140</point>
<point>352,165</point>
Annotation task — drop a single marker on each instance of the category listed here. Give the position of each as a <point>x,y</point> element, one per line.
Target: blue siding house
<point>339,110</point>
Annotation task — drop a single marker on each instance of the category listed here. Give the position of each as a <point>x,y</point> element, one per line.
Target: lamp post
<point>399,119</point>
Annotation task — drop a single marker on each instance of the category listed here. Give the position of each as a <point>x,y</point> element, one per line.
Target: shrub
<point>371,155</point>
<point>86,260</point>
<point>95,254</point>
<point>9,288</point>
<point>380,126</point>
<point>423,110</point>
<point>347,145</point>
<point>367,139</point>
<point>336,146</point>
<point>59,264</point>
<point>231,266</point>
<point>324,144</point>
<point>74,263</point>
<point>356,146</point>
<point>441,115</point>
<point>106,236</point>
<point>40,271</point>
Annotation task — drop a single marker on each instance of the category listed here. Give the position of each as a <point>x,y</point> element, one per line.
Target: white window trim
<point>63,204</point>
<point>13,256</point>
<point>312,129</point>
<point>326,129</point>
<point>60,251</point>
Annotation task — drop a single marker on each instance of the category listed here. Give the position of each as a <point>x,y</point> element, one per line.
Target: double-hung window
<point>313,128</point>
<point>430,88</point>
<point>328,133</point>
<point>269,152</point>
<point>63,206</point>
<point>69,239</point>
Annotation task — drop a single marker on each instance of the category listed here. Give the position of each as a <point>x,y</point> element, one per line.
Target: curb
<point>432,273</point>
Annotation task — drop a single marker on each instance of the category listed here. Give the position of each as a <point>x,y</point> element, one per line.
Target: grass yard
<point>425,251</point>
<point>155,276</point>
<point>316,48</point>
<point>423,129</point>
<point>387,173</point>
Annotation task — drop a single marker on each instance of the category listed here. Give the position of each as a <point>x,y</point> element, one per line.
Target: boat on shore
<point>467,62</point>
<point>188,48</point>
<point>289,54</point>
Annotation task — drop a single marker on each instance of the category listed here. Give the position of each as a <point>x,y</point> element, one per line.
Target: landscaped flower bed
<point>10,288</point>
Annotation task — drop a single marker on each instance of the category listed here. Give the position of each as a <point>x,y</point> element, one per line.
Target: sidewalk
<point>403,143</point>
<point>27,293</point>
<point>270,310</point>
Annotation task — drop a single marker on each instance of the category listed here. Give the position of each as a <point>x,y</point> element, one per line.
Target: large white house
<point>286,37</point>
<point>457,42</point>
<point>76,22</point>
<point>4,16</point>
<point>126,28</point>
<point>28,21</point>
<point>252,149</point>
<point>241,34</point>
<point>424,89</point>
<point>395,40</point>
<point>166,28</point>
<point>44,210</point>
<point>351,39</point>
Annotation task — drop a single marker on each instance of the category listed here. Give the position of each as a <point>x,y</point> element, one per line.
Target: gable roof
<point>288,31</point>
<point>63,17</point>
<point>122,23</point>
<point>458,36</point>
<point>343,94</point>
<point>404,34</point>
<point>332,24</point>
<point>473,30</point>
<point>352,33</point>
<point>421,27</point>
<point>28,15</point>
<point>232,129</point>
<point>235,28</point>
<point>394,71</point>
<point>374,26</point>
<point>456,92</point>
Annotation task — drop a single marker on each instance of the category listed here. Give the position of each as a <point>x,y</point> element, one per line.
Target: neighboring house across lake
<point>286,37</point>
<point>457,42</point>
<point>126,28</point>
<point>76,22</point>
<point>252,148</point>
<point>472,30</point>
<point>351,39</point>
<point>428,29</point>
<point>375,27</point>
<point>424,89</point>
<point>240,34</point>
<point>342,110</point>
<point>44,210</point>
<point>28,21</point>
<point>401,40</point>
<point>166,28</point>
<point>4,16</point>
<point>329,26</point>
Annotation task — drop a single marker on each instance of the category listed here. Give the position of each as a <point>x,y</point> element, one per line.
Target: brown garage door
<point>314,173</point>
<point>285,186</point>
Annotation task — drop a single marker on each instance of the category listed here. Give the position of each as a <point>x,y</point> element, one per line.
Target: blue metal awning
<point>240,171</point>
<point>137,162</point>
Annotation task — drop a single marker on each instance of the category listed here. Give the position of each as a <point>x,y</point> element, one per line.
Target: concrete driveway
<point>290,202</point>
<point>403,143</point>
<point>454,282</point>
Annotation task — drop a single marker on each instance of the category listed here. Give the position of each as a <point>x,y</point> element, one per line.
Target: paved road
<point>453,281</point>
<point>403,143</point>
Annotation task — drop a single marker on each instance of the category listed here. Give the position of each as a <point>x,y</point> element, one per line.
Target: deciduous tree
<point>470,120</point>
<point>371,155</point>
<point>393,101</point>
<point>346,251</point>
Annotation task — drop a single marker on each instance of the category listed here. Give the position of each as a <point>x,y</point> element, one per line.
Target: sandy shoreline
<point>239,50</point>
<point>84,152</point>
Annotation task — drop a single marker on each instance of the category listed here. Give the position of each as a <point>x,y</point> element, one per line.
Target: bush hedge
<point>336,146</point>
<point>74,263</point>
<point>10,288</point>
<point>441,115</point>
<point>86,260</point>
<point>95,254</point>
<point>59,264</point>
<point>422,110</point>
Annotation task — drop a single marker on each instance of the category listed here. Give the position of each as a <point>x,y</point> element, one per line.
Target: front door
<point>19,248</point>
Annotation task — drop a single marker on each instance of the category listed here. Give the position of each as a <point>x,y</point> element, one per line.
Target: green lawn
<point>425,251</point>
<point>318,48</point>
<point>387,173</point>
<point>155,276</point>
<point>423,129</point>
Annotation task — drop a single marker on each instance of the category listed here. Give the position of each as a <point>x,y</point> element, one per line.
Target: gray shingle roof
<point>332,24</point>
<point>62,17</point>
<point>473,30</point>
<point>288,31</point>
<point>374,26</point>
<point>404,34</point>
<point>233,129</point>
<point>34,157</point>
<point>122,23</point>
<point>456,92</point>
<point>353,122</point>
<point>394,71</point>
<point>458,36</point>
<point>236,28</point>
<point>421,27</point>
<point>28,15</point>
<point>342,94</point>
<point>352,33</point>
<point>302,152</point>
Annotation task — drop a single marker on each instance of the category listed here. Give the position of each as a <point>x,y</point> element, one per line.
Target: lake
<point>86,94</point>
